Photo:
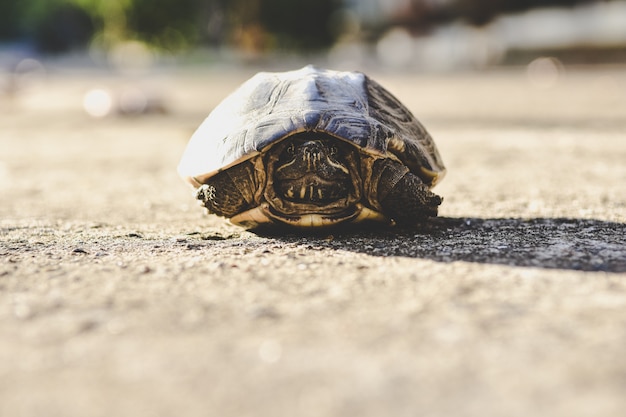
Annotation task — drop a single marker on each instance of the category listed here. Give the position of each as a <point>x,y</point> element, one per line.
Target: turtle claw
<point>204,193</point>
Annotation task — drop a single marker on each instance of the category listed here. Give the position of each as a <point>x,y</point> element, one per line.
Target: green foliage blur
<point>56,26</point>
<point>304,24</point>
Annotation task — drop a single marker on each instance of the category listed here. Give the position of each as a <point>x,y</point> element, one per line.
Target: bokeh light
<point>544,72</point>
<point>98,103</point>
<point>133,100</point>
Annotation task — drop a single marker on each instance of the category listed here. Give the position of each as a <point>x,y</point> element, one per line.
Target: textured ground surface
<point>118,297</point>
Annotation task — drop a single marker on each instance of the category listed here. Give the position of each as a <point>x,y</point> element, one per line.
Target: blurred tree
<point>60,25</point>
<point>64,28</point>
<point>304,24</point>
<point>10,13</point>
<point>246,31</point>
<point>52,25</point>
<point>169,24</point>
<point>261,25</point>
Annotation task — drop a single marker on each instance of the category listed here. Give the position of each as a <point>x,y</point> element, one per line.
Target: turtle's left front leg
<point>229,192</point>
<point>403,196</point>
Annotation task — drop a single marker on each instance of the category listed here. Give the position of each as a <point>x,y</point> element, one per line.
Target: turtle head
<point>311,179</point>
<point>313,170</point>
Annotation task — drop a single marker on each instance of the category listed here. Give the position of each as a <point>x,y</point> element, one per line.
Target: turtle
<point>313,148</point>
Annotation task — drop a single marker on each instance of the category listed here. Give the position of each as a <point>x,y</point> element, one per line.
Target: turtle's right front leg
<point>403,196</point>
<point>228,192</point>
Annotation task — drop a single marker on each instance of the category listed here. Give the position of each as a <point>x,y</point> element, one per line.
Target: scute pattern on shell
<point>418,149</point>
<point>272,106</point>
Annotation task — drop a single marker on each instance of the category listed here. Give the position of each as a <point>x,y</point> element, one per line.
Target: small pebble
<point>144,269</point>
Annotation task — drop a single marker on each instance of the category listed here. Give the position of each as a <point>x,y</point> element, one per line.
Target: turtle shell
<point>272,106</point>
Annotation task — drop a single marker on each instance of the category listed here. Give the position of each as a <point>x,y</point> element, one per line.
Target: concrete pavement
<point>119,297</point>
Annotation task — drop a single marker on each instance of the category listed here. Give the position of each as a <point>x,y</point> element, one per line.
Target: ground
<point>118,296</point>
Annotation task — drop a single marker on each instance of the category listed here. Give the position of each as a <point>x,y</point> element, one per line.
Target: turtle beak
<point>312,153</point>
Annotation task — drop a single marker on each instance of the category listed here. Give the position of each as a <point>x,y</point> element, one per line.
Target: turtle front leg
<point>403,196</point>
<point>229,192</point>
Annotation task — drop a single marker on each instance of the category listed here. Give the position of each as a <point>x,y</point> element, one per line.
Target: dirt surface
<point>119,297</point>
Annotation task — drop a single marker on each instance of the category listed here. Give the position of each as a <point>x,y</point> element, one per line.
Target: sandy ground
<point>119,297</point>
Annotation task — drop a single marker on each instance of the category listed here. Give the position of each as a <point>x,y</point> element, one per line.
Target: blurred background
<point>422,35</point>
<point>130,57</point>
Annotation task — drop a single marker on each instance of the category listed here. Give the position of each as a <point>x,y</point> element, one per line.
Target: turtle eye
<point>333,150</point>
<point>291,149</point>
